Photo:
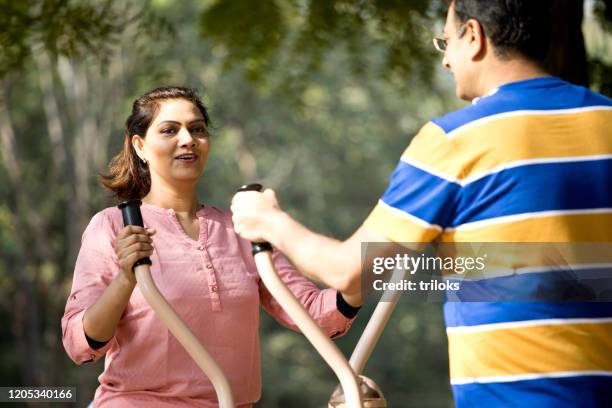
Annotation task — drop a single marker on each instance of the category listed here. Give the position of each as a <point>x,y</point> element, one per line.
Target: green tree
<point>261,38</point>
<point>59,76</point>
<point>316,99</point>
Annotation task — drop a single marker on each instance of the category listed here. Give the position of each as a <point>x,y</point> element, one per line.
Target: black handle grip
<point>257,247</point>
<point>130,210</point>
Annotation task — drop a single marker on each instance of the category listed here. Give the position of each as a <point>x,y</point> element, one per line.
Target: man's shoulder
<point>548,95</point>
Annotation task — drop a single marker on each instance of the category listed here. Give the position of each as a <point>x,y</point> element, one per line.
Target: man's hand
<point>258,217</point>
<point>253,213</point>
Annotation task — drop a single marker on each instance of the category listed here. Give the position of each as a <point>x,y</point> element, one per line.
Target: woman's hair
<point>128,177</point>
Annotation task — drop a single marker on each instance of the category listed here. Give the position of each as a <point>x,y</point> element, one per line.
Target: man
<point>512,167</point>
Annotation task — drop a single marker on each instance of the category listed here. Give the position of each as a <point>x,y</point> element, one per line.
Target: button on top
<point>208,266</point>
<point>201,247</point>
<point>213,288</point>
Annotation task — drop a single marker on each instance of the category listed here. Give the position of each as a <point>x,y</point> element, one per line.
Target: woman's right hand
<point>100,319</point>
<point>133,243</point>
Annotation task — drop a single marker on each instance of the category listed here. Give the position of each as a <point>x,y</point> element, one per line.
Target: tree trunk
<point>26,325</point>
<point>567,55</point>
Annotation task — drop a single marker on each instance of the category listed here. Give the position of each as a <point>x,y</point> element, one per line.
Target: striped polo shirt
<point>530,162</point>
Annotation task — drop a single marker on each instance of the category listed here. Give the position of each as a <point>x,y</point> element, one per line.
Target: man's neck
<point>501,72</point>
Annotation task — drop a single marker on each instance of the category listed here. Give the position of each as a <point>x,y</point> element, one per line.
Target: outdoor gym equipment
<point>370,392</point>
<point>353,392</point>
<point>131,216</point>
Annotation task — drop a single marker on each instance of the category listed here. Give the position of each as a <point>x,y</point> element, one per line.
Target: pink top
<point>212,284</point>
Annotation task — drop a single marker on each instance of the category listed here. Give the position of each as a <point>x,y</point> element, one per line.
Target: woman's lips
<point>187,158</point>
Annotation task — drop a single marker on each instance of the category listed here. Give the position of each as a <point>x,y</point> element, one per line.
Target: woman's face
<point>176,144</point>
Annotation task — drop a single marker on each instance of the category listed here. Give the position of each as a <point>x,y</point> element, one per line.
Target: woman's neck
<point>184,202</point>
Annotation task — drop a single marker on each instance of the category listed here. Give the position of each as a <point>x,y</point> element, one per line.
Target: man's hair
<point>513,26</point>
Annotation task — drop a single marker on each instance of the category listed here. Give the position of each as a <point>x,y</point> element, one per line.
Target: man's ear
<point>138,145</point>
<point>476,39</point>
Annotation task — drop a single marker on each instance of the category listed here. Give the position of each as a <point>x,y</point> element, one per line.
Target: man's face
<point>457,57</point>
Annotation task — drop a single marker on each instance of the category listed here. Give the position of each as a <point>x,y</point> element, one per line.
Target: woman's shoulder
<point>108,220</point>
<point>222,215</point>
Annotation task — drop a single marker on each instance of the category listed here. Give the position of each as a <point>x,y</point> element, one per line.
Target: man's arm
<point>337,264</point>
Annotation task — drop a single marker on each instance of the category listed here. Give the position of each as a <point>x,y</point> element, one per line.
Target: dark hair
<point>522,26</point>
<point>128,177</point>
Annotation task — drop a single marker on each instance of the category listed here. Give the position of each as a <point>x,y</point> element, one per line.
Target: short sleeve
<point>95,268</point>
<point>423,191</point>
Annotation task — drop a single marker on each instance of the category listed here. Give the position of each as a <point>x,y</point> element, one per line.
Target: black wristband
<point>347,310</point>
<point>95,344</point>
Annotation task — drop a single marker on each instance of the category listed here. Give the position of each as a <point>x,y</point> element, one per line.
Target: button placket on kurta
<point>205,264</point>
<point>209,268</point>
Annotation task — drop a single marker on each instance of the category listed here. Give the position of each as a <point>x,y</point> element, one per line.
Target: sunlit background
<point>316,99</point>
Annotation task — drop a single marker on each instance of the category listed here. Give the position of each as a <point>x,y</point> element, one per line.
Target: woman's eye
<point>199,130</point>
<point>168,130</point>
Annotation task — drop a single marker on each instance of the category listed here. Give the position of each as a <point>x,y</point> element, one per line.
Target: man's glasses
<point>440,44</point>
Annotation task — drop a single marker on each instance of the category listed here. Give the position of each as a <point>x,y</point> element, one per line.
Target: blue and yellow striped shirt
<point>530,162</point>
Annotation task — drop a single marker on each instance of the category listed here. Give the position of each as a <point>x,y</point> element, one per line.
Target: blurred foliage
<point>316,99</point>
<point>69,27</point>
<point>603,11</point>
<point>286,41</point>
<point>600,59</point>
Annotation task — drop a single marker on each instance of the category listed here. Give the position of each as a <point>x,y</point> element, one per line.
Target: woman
<point>199,263</point>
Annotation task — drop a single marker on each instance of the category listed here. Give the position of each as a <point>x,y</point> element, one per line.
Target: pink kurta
<point>213,285</point>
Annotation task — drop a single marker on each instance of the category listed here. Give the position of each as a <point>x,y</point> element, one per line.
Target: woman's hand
<point>133,243</point>
<point>100,319</point>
